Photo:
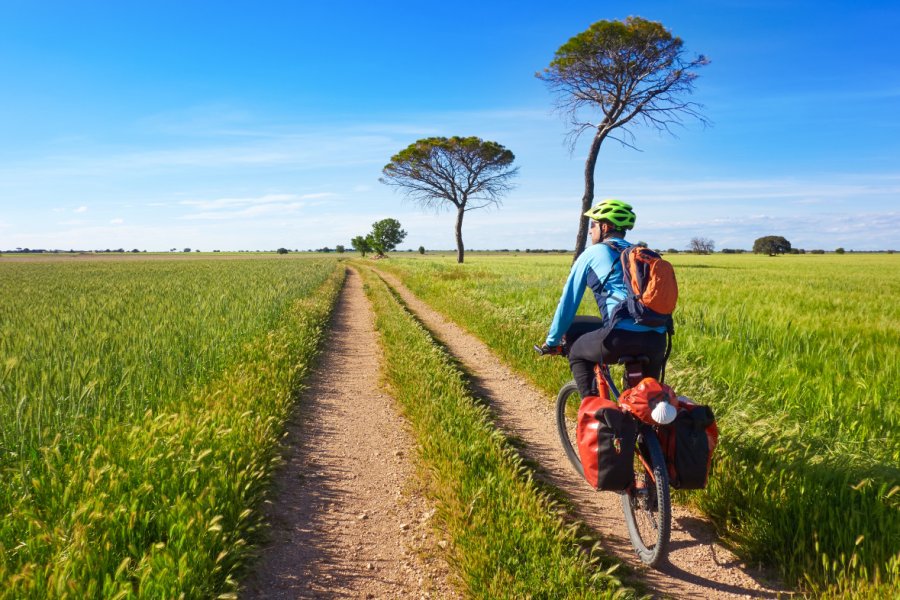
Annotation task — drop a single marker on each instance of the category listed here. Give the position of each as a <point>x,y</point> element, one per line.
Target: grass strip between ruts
<point>508,538</point>
<point>165,508</point>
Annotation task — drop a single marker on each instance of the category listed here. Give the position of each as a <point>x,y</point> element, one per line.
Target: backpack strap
<point>613,315</point>
<point>613,268</point>
<point>670,331</point>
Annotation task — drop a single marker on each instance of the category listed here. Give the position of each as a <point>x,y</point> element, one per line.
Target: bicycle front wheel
<point>647,504</point>
<point>567,403</point>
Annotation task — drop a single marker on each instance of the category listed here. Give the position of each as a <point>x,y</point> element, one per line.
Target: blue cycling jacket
<point>591,269</point>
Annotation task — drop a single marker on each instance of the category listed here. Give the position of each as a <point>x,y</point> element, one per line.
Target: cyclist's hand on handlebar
<point>544,349</point>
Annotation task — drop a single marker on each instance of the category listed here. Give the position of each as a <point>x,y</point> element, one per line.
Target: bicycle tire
<point>647,504</point>
<point>567,403</point>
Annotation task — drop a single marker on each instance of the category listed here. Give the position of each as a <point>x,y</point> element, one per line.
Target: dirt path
<point>698,566</point>
<point>347,519</point>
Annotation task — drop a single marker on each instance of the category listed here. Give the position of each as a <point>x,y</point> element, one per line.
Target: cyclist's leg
<point>623,342</point>
<point>581,325</point>
<point>586,352</point>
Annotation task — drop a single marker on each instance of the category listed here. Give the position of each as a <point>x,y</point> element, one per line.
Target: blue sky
<point>254,125</point>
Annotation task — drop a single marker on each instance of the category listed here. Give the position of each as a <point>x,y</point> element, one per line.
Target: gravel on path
<point>347,515</point>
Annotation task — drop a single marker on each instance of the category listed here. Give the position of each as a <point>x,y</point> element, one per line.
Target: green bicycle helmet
<point>615,211</point>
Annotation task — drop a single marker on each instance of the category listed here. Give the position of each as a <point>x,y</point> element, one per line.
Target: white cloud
<point>251,207</point>
<point>797,191</point>
<point>222,138</point>
<point>200,120</point>
<point>219,203</point>
<point>81,209</point>
<point>249,212</point>
<point>827,230</point>
<point>117,221</point>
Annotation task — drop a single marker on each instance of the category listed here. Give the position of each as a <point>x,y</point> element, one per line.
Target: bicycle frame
<point>605,383</point>
<point>646,504</point>
<point>605,387</point>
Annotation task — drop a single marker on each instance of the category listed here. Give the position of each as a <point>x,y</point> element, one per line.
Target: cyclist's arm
<point>569,301</point>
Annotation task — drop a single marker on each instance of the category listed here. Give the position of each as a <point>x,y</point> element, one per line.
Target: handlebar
<point>545,350</point>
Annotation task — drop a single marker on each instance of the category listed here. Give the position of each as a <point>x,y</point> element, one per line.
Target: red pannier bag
<point>606,439</point>
<point>641,399</point>
<point>689,443</point>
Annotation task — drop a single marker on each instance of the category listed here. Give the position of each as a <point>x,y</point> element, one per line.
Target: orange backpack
<point>652,293</point>
<point>653,290</point>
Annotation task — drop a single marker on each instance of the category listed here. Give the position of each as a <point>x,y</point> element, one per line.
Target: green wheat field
<point>142,401</point>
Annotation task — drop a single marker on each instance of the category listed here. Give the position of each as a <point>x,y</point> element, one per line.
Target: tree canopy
<point>702,245</point>
<point>631,71</point>
<point>361,244</point>
<point>385,236</point>
<point>462,172</point>
<point>771,245</point>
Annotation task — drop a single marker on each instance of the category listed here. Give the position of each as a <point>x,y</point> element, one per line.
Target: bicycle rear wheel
<point>647,504</point>
<point>567,403</point>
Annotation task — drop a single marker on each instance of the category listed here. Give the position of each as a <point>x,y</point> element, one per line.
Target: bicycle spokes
<point>646,503</point>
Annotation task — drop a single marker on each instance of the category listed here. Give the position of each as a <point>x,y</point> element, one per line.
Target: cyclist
<point>599,267</point>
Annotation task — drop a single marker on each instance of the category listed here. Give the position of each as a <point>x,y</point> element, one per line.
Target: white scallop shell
<point>664,413</point>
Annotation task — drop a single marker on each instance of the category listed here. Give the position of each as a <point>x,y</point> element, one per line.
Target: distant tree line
<point>69,251</point>
<point>387,234</point>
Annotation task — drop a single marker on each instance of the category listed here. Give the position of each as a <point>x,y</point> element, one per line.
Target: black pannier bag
<point>688,443</point>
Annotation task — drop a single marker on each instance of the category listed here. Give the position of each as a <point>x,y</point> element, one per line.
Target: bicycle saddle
<point>634,368</point>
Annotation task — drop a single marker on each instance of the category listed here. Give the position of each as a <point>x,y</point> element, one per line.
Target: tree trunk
<point>588,198</point>
<point>459,243</point>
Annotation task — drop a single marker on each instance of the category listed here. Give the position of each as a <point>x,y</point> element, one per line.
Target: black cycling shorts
<point>588,347</point>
